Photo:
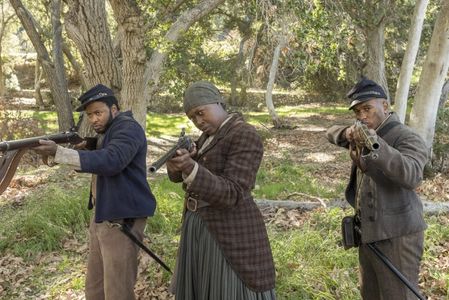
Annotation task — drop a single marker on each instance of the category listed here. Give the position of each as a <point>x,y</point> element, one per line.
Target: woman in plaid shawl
<point>224,251</point>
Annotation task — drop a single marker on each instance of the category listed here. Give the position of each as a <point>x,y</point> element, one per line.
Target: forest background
<point>286,65</point>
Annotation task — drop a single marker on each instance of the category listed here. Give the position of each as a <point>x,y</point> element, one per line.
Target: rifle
<point>369,140</point>
<point>354,241</point>
<point>184,142</point>
<point>12,151</point>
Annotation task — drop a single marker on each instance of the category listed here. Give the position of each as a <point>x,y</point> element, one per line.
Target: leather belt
<point>193,204</point>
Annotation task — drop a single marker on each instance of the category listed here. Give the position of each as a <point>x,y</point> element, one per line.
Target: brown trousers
<point>377,281</point>
<point>112,261</point>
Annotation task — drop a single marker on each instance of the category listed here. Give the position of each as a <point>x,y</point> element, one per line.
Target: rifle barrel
<point>184,142</point>
<point>58,138</point>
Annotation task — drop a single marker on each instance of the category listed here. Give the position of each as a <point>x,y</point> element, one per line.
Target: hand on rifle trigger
<point>80,146</point>
<point>349,133</point>
<point>182,162</point>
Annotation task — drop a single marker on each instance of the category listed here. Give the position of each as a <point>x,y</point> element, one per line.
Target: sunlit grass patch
<point>45,220</point>
<point>310,263</point>
<point>167,124</point>
<point>300,111</point>
<point>280,178</point>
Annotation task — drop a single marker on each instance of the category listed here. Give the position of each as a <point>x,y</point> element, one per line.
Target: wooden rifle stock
<point>12,151</point>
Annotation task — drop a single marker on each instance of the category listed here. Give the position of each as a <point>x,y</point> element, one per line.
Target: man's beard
<point>108,123</point>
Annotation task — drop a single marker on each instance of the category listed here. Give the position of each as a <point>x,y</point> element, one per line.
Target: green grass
<point>310,264</point>
<point>280,178</point>
<point>46,218</point>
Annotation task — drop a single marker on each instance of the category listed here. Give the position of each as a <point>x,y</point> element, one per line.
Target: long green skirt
<point>202,271</point>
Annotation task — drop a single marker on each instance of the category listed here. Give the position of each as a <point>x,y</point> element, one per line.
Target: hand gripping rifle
<point>12,151</point>
<point>369,140</point>
<point>184,142</point>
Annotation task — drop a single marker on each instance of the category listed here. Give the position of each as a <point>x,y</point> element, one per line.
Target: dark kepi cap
<point>201,93</point>
<point>97,93</point>
<point>365,90</point>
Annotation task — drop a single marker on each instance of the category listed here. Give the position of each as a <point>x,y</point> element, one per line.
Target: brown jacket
<point>226,175</point>
<point>389,205</point>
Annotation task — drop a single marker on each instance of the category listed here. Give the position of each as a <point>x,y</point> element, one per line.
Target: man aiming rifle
<point>388,161</point>
<point>120,195</point>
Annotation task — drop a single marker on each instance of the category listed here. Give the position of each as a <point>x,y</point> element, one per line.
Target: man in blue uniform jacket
<point>119,192</point>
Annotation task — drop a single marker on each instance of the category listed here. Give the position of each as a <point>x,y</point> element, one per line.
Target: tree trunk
<point>252,54</point>
<point>76,66</point>
<point>375,67</point>
<point>86,26</point>
<point>237,69</point>
<point>414,36</point>
<point>444,94</point>
<point>435,68</point>
<point>52,69</point>
<point>132,30</point>
<point>184,21</point>
<point>60,89</point>
<point>273,70</point>
<point>2,76</point>
<point>3,23</point>
<point>37,85</point>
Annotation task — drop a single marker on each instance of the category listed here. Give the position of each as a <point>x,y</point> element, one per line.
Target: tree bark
<point>271,78</point>
<point>76,66</point>
<point>51,69</point>
<point>37,85</point>
<point>237,67</point>
<point>86,26</point>
<point>434,71</point>
<point>375,43</point>
<point>405,76</point>
<point>132,29</point>
<point>3,25</point>
<point>429,207</point>
<point>444,94</point>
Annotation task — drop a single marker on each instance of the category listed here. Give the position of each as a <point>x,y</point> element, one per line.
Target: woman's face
<point>208,117</point>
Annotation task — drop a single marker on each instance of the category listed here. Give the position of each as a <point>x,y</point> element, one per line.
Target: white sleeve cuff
<point>68,156</point>
<point>189,179</point>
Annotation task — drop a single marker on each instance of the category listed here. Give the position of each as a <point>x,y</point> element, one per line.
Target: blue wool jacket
<point>120,164</point>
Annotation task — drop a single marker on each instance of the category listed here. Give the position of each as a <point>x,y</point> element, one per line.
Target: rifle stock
<point>12,151</point>
<point>184,142</point>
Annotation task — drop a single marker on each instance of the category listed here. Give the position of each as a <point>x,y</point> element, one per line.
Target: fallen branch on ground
<point>430,208</point>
